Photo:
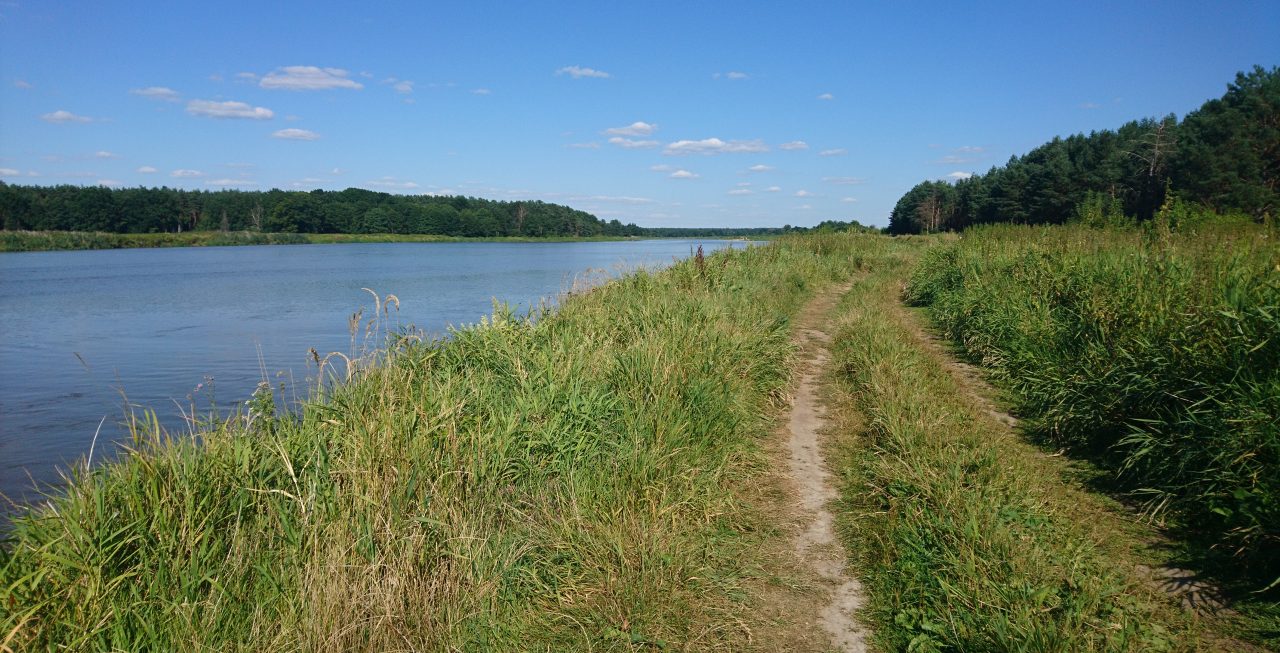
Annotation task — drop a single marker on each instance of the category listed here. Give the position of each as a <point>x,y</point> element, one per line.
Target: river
<point>85,333</point>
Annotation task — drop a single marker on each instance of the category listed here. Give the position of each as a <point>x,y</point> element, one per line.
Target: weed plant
<point>572,482</point>
<point>1155,351</point>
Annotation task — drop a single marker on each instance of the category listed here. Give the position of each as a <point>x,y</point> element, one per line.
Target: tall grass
<point>966,538</point>
<point>574,482</point>
<point>1155,351</point>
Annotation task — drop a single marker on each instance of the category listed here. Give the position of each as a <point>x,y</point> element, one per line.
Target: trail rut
<point>816,544</point>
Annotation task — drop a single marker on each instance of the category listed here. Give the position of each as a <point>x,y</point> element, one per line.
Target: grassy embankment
<point>1154,353</point>
<point>969,538</point>
<point>39,241</point>
<point>571,483</point>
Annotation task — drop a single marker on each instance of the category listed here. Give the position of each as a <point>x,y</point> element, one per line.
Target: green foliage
<point>171,210</point>
<point>1157,352</point>
<point>966,538</point>
<point>1225,155</point>
<point>561,481</point>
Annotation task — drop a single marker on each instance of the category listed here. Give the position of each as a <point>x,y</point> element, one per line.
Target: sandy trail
<point>816,544</point>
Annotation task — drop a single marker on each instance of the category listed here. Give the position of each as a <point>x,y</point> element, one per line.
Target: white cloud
<point>661,167</point>
<point>971,149</point>
<point>826,96</point>
<point>108,182</point>
<point>215,109</point>
<point>392,183</point>
<point>247,77</point>
<point>806,207</point>
<point>617,199</point>
<point>405,86</point>
<point>62,116</point>
<point>958,175</point>
<point>794,145</point>
<point>636,128</point>
<point>683,174</point>
<point>760,167</point>
<point>630,144</point>
<point>230,182</point>
<point>584,146</point>
<point>715,146</point>
<point>578,72</point>
<point>22,84</point>
<point>773,189</point>
<point>308,78</point>
<point>803,193</point>
<point>183,173</point>
<point>103,154</point>
<point>481,91</point>
<point>742,191</point>
<point>8,172</point>
<point>295,134</point>
<point>848,200</point>
<point>954,159</point>
<point>157,93</point>
<point>839,151</point>
<point>844,181</point>
<point>742,184</point>
<point>146,170</point>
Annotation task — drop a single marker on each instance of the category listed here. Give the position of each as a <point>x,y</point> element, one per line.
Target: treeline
<point>826,226</point>
<point>1225,156</point>
<point>353,211</point>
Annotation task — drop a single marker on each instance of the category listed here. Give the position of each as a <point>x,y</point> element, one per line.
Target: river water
<point>85,333</point>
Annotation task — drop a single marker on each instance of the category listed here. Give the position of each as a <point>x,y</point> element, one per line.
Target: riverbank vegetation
<point>579,481</point>
<point>38,241</point>
<point>1224,156</point>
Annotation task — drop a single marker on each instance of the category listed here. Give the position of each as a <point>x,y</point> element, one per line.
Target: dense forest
<point>354,210</point>
<point>1224,156</point>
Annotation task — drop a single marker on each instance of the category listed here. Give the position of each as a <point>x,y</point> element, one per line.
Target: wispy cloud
<point>613,199</point>
<point>733,75</point>
<point>229,109</point>
<point>225,183</point>
<point>794,145</point>
<point>773,189</point>
<point>403,87</point>
<point>8,172</point>
<point>157,93</point>
<point>22,84</point>
<point>839,151</point>
<point>826,96</point>
<point>848,200</point>
<point>294,134</point>
<point>481,91</point>
<point>958,175</point>
<point>971,149</point>
<point>108,182</point>
<point>392,183</point>
<point>247,77</point>
<point>742,191</point>
<point>803,193</point>
<point>844,181</point>
<point>578,72</point>
<point>62,116</point>
<point>308,78</point>
<point>1089,106</point>
<point>759,167</point>
<point>661,167</point>
<point>183,173</point>
<point>954,159</point>
<point>103,154</point>
<point>636,128</point>
<point>584,146</point>
<point>715,146</point>
<point>683,174</point>
<point>631,144</point>
<point>146,170</point>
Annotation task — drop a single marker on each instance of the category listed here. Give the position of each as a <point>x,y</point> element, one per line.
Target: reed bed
<point>1154,351</point>
<point>571,482</point>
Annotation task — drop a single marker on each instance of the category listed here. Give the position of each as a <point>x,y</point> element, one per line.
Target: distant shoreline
<point>47,241</point>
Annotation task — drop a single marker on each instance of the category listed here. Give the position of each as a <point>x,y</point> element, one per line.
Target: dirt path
<point>816,544</point>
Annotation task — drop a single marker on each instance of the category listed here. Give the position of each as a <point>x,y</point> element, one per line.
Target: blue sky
<point>662,114</point>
